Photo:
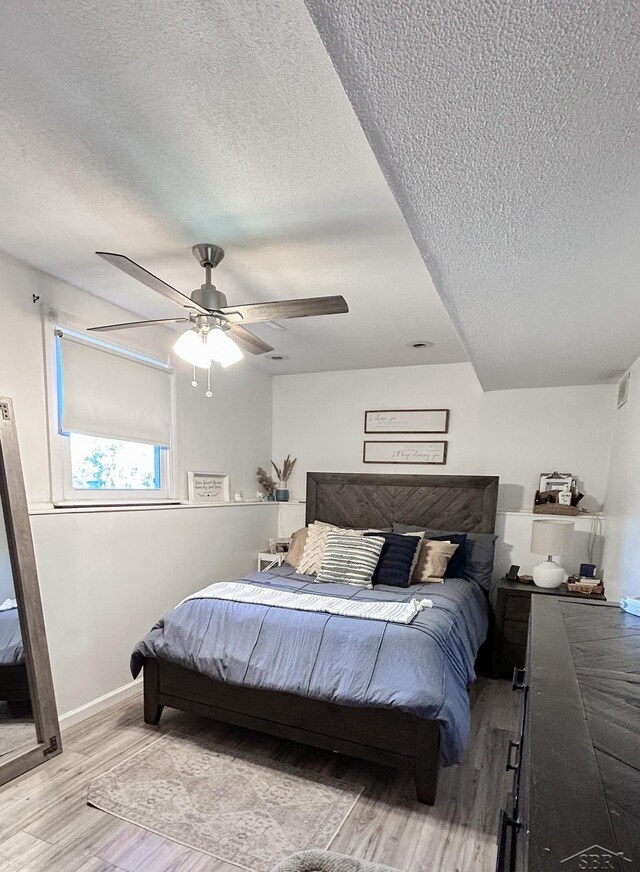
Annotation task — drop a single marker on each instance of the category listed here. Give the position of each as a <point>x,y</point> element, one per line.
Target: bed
<point>392,694</point>
<point>14,684</point>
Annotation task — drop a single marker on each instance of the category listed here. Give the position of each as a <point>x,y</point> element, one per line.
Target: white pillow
<point>313,552</point>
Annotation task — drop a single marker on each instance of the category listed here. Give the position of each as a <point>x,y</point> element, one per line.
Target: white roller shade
<point>104,393</point>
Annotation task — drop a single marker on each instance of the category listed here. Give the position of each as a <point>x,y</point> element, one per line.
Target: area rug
<point>247,810</point>
<point>328,861</point>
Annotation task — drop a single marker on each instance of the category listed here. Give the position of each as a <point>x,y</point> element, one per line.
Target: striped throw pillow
<point>350,559</point>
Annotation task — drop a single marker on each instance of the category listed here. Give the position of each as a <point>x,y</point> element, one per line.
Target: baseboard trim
<point>95,706</point>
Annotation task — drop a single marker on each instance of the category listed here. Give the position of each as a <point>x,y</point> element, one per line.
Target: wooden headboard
<point>443,502</point>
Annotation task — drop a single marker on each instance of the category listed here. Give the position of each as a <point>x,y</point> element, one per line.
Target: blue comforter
<point>11,649</point>
<point>422,668</point>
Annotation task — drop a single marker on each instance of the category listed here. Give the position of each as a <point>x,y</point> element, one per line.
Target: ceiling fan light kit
<point>190,347</point>
<point>205,343</point>
<point>217,334</point>
<point>222,348</point>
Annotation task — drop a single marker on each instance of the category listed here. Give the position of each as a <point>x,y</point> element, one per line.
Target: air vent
<point>623,390</point>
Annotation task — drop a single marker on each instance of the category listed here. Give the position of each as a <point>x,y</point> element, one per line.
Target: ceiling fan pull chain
<point>209,392</point>
<point>194,382</point>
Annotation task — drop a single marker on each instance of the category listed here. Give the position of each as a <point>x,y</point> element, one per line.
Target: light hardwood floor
<point>46,826</point>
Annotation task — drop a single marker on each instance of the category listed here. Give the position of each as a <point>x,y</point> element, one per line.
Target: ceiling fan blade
<point>106,327</point>
<point>247,341</point>
<point>253,312</point>
<point>131,268</point>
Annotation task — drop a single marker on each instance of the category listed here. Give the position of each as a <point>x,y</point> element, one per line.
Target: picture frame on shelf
<point>406,452</point>
<point>556,481</point>
<point>279,544</point>
<point>208,487</point>
<point>406,421</point>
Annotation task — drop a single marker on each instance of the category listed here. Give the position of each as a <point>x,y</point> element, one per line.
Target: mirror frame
<point>27,593</point>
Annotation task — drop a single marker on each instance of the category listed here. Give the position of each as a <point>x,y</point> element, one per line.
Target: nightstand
<point>266,557</point>
<point>512,603</point>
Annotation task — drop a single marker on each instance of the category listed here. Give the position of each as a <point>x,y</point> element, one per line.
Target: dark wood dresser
<point>576,791</point>
<point>511,602</point>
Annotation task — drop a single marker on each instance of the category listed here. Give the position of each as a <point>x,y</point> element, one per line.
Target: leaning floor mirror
<point>29,729</point>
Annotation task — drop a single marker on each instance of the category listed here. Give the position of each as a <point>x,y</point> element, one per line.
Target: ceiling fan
<point>217,332</point>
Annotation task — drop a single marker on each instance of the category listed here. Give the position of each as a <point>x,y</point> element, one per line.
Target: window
<point>111,422</point>
<point>111,464</point>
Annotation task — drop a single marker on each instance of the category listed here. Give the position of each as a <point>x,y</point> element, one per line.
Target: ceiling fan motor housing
<point>209,297</point>
<point>208,254</point>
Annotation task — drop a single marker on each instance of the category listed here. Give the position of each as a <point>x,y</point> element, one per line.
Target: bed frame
<point>394,738</point>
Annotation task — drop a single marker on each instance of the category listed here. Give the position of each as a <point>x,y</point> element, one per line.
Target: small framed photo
<point>279,545</point>
<point>556,481</point>
<point>209,487</point>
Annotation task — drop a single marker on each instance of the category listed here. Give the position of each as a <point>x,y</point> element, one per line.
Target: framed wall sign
<point>405,452</point>
<point>208,487</point>
<point>406,421</point>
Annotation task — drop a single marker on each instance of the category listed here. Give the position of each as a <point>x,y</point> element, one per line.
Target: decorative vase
<point>282,492</point>
<point>548,574</point>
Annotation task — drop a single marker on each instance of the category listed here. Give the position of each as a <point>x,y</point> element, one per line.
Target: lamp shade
<point>191,348</point>
<point>551,537</point>
<point>222,348</point>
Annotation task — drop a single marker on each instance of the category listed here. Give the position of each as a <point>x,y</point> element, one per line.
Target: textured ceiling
<point>145,127</point>
<point>509,132</point>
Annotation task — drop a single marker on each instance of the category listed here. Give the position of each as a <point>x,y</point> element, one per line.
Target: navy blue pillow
<point>457,564</point>
<point>396,559</point>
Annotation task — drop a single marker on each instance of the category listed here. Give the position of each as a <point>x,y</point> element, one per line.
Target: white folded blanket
<point>244,592</point>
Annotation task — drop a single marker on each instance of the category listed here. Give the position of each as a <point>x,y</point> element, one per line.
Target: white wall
<point>622,551</point>
<point>515,434</point>
<point>230,432</point>
<point>106,577</point>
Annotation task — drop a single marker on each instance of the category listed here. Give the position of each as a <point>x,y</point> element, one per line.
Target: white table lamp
<point>551,538</point>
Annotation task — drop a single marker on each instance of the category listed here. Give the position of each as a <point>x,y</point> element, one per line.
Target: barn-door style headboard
<point>444,502</point>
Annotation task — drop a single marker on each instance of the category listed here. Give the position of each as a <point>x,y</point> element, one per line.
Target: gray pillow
<point>479,554</point>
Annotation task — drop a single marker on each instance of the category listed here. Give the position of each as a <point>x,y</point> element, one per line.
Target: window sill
<point>50,509</point>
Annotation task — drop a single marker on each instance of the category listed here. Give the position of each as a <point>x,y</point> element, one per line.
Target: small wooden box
<point>555,509</point>
<point>584,589</point>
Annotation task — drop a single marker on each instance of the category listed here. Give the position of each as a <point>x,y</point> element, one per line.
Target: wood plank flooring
<point>46,825</point>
